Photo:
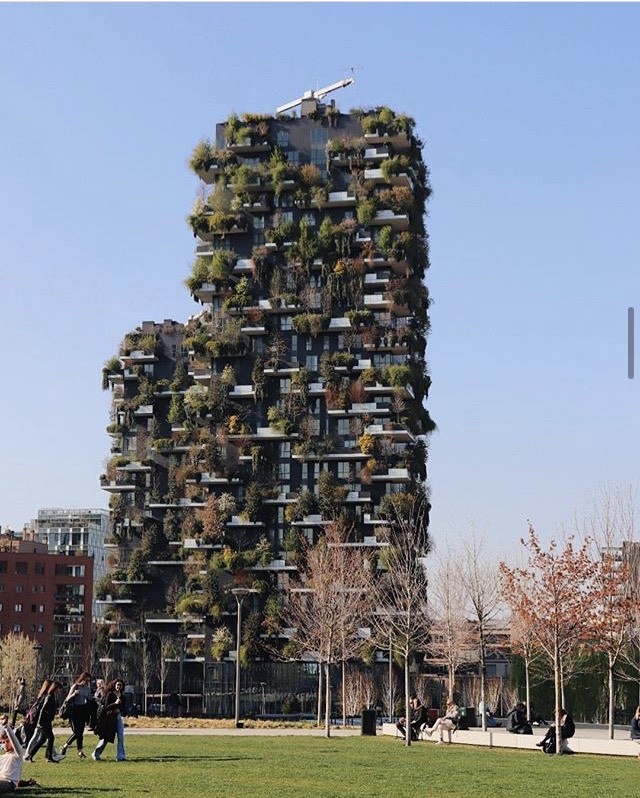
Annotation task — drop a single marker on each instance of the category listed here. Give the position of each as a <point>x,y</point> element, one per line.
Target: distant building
<point>74,532</point>
<point>47,597</point>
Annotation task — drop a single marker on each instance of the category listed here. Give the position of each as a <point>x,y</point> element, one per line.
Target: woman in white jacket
<point>11,761</point>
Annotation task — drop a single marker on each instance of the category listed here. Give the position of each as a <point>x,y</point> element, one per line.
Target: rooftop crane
<point>315,94</point>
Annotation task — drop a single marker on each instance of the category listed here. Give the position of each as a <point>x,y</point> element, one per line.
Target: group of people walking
<point>101,710</point>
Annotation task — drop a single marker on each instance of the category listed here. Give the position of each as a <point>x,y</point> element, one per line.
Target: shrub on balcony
<point>330,494</point>
<point>201,156</point>
<point>366,211</point>
<point>277,420</point>
<point>241,296</point>
<point>305,504</point>
<point>221,642</point>
<point>368,443</point>
<point>196,400</point>
<point>399,199</point>
<point>311,323</point>
<point>398,375</point>
<point>397,165</point>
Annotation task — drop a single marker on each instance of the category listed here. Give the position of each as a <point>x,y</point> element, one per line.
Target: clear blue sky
<point>530,115</point>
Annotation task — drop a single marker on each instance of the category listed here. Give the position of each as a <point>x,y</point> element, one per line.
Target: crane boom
<point>316,94</point>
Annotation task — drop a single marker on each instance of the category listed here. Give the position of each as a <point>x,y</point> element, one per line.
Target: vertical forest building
<point>295,395</point>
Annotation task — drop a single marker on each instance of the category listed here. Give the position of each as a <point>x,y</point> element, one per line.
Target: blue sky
<point>530,116</point>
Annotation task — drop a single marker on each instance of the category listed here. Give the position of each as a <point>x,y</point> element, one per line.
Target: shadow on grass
<point>199,758</point>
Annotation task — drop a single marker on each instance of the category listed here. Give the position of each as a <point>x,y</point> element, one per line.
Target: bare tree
<point>401,593</point>
<point>18,659</point>
<point>450,636</point>
<point>327,609</point>
<point>481,581</point>
<point>611,526</point>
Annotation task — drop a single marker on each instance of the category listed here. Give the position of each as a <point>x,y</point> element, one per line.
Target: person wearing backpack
<point>109,721</point>
<point>44,727</point>
<point>77,707</point>
<point>26,729</point>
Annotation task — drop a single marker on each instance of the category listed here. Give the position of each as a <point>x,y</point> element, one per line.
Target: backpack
<point>31,718</point>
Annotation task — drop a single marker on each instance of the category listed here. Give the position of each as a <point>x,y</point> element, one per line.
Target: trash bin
<point>467,718</point>
<point>368,721</point>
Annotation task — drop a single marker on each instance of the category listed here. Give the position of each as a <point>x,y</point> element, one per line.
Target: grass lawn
<point>357,767</point>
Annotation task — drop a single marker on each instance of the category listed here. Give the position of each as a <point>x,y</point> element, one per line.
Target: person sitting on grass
<point>11,761</point>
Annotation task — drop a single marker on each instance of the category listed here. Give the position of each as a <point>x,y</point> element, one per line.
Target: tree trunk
<point>557,683</point>
<point>344,695</point>
<point>407,708</point>
<point>612,697</point>
<point>327,699</point>
<point>319,720</point>
<point>527,688</point>
<point>482,691</point>
<point>451,684</point>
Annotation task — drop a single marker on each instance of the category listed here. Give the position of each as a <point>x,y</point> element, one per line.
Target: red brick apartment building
<point>47,597</point>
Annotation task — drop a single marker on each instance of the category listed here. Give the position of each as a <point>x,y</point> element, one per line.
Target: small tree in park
<point>481,583</point>
<point>611,526</point>
<point>400,595</point>
<point>328,607</point>
<point>18,659</point>
<point>554,596</point>
<point>450,634</point>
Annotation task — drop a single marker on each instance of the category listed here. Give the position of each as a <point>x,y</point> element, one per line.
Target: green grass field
<point>356,767</point>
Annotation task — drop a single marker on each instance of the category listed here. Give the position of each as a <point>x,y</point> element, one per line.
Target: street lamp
<point>240,593</point>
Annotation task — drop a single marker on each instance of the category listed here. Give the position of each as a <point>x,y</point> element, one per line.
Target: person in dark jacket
<point>635,726</point>
<point>44,727</point>
<point>77,700</point>
<point>567,730</point>
<point>418,718</point>
<point>20,705</point>
<point>110,723</point>
<point>517,722</point>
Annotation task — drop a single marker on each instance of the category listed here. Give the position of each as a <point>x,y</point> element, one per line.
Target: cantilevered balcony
<point>393,475</point>
<point>406,391</point>
<point>122,484</point>
<point>138,357</point>
<point>340,199</point>
<point>377,176</point>
<point>394,432</point>
<point>362,409</point>
<point>400,142</point>
<point>398,221</point>
<point>243,392</point>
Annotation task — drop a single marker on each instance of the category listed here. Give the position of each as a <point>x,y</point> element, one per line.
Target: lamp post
<point>240,593</point>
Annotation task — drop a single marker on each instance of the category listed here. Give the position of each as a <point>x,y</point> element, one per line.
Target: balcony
<point>181,504</point>
<point>398,221</point>
<point>243,392</point>
<point>315,519</point>
<point>249,145</point>
<point>377,279</point>
<point>137,357</point>
<point>400,142</point>
<point>376,154</point>
<point>393,475</point>
<point>377,176</point>
<point>144,411</point>
<point>133,468</point>
<point>206,480</point>
<point>340,199</point>
<point>376,302</point>
<point>119,485</point>
<point>393,432</point>
<point>237,521</point>
<point>405,391</point>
